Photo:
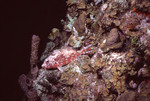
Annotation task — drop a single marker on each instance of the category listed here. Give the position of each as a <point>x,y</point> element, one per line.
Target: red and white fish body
<point>64,56</point>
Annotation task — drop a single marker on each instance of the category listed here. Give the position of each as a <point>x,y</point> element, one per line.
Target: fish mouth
<point>43,66</point>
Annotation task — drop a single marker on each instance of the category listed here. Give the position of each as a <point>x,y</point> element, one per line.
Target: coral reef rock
<point>117,68</point>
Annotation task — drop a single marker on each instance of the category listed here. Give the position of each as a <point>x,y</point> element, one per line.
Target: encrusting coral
<point>102,54</point>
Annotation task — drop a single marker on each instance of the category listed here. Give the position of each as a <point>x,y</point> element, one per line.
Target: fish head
<point>48,63</point>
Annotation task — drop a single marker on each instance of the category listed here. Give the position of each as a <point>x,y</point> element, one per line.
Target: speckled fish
<point>64,56</point>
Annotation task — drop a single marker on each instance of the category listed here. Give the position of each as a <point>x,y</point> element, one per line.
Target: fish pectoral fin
<point>60,68</point>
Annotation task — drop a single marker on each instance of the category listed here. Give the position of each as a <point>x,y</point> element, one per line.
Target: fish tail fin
<point>86,49</point>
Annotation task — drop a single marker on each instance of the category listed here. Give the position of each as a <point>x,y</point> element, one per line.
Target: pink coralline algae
<point>64,56</point>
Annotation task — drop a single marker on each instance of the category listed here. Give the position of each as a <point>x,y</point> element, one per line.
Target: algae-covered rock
<point>75,41</point>
<point>144,91</point>
<point>86,87</point>
<point>127,96</point>
<point>79,24</point>
<point>112,41</point>
<point>45,80</point>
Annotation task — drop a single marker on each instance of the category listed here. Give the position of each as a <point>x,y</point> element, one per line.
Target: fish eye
<point>47,62</point>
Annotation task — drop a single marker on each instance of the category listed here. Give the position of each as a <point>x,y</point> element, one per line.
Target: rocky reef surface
<point>117,68</point>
